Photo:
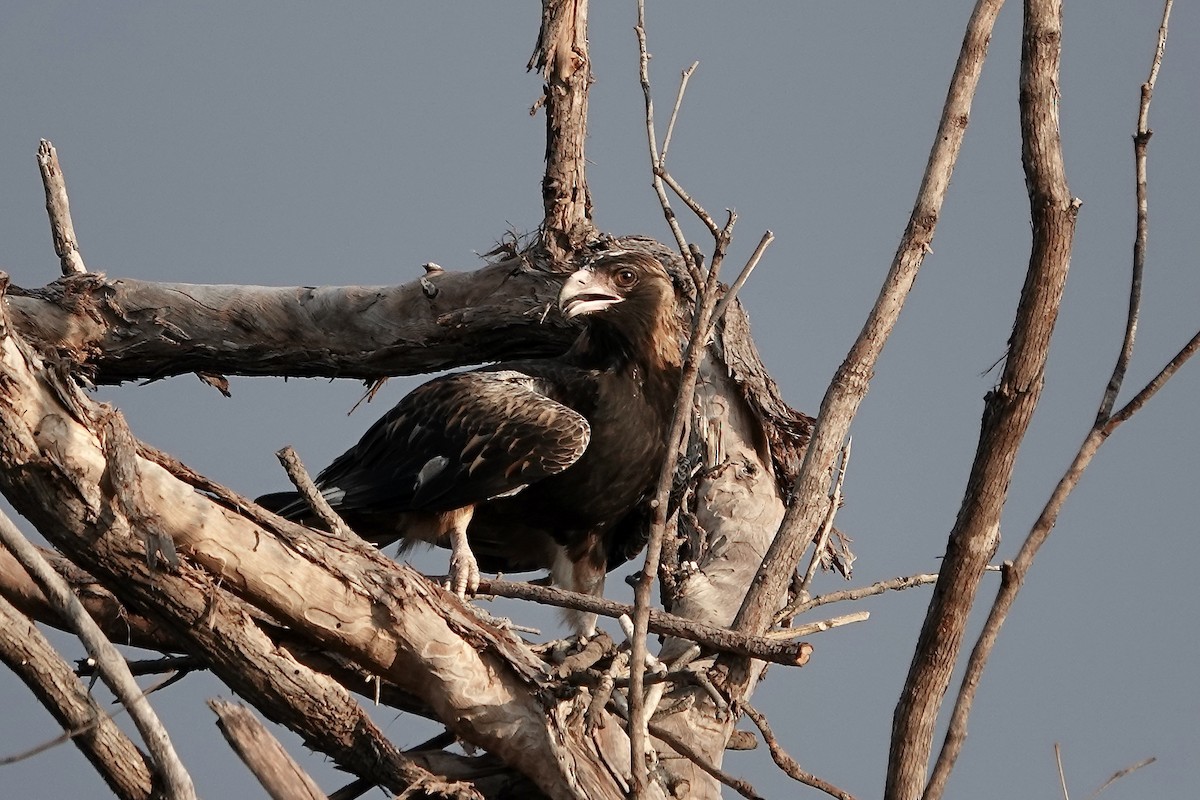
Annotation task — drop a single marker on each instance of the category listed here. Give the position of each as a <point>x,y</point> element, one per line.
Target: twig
<point>311,494</point>
<point>1121,773</point>
<point>739,785</point>
<point>689,201</point>
<point>1141,140</point>
<point>59,209</point>
<point>683,82</point>
<point>177,784</point>
<point>1013,576</point>
<point>785,762</point>
<point>835,500</point>
<point>879,587</point>
<point>810,628</point>
<point>719,312</point>
<point>689,259</point>
<point>1062,777</point>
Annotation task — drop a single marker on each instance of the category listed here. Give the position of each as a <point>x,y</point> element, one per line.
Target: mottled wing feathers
<point>458,440</point>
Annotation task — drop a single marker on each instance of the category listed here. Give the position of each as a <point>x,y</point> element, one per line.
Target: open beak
<point>583,293</point>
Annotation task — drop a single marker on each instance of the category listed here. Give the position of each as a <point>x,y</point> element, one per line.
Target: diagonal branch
<point>851,381</point>
<point>177,783</point>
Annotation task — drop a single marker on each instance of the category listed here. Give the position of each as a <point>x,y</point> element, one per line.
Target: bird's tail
<point>289,505</point>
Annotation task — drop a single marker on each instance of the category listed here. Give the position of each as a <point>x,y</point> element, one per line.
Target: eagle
<point>530,464</point>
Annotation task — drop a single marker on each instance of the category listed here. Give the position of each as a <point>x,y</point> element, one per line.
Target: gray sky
<point>313,143</point>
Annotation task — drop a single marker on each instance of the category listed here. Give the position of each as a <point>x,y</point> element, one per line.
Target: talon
<point>464,574</point>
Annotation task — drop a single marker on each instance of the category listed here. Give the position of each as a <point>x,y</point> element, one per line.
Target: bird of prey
<point>531,464</point>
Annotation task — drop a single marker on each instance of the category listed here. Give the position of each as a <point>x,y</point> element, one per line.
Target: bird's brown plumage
<point>533,464</point>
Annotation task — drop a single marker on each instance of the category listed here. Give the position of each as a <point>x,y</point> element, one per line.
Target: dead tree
<point>290,617</point>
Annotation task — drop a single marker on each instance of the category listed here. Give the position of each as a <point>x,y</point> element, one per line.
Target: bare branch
<point>1116,776</point>
<point>696,350</point>
<point>660,622</point>
<point>685,250</point>
<point>59,209</point>
<point>851,381</point>
<point>26,651</point>
<point>277,771</point>
<point>312,495</point>
<point>176,782</point>
<point>743,276</point>
<point>810,628</point>
<point>1062,776</point>
<point>1014,573</point>
<point>1141,140</point>
<point>739,785</point>
<point>879,587</point>
<point>683,82</point>
<point>785,762</point>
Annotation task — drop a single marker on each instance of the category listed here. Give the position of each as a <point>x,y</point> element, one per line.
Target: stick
<point>59,210</point>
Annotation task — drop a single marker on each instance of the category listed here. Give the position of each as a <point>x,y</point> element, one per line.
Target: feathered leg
<point>581,569</point>
<point>464,569</point>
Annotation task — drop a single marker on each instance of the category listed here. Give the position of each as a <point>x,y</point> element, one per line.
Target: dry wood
<point>26,651</point>
<point>785,762</point>
<point>312,495</point>
<point>176,783</point>
<point>1014,573</point>
<point>352,599</point>
<point>1008,408</point>
<point>278,773</point>
<point>851,381</point>
<point>561,56</point>
<point>130,330</point>
<point>59,210</point>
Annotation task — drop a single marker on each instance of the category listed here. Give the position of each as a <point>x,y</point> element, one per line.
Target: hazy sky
<point>348,143</point>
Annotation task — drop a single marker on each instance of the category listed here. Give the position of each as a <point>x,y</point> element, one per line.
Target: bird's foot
<point>464,573</point>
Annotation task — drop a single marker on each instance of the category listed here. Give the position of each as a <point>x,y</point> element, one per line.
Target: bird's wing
<point>455,441</point>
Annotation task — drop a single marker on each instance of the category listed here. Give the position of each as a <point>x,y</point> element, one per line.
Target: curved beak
<point>585,293</point>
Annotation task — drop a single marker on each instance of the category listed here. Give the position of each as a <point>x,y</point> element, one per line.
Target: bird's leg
<point>464,570</point>
<point>581,572</point>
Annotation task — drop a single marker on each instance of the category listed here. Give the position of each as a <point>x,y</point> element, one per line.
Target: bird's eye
<point>625,278</point>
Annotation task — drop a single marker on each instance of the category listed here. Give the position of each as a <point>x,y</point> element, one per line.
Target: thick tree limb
<point>352,599</point>
<point>278,773</point>
<point>129,330</point>
<point>561,56</point>
<point>1007,410</point>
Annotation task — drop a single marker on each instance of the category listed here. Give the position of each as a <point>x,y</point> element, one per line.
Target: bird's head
<point>607,282</point>
<point>626,299</point>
